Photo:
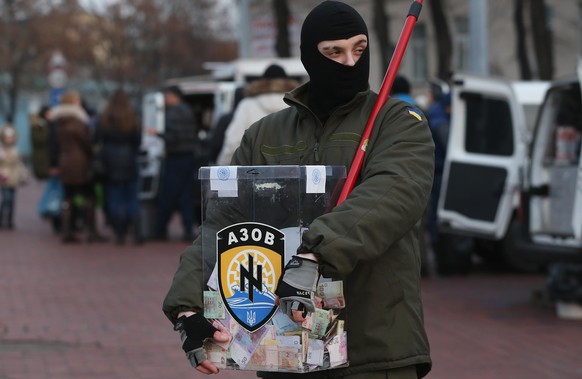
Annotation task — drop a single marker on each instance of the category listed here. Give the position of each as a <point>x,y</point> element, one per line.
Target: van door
<point>553,173</point>
<point>577,215</point>
<point>485,153</point>
<point>152,147</point>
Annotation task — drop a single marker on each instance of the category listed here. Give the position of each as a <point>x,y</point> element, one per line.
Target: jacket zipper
<point>316,151</point>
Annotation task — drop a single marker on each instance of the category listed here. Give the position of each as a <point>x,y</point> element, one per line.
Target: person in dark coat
<point>216,138</point>
<point>439,119</point>
<point>178,173</point>
<point>118,132</point>
<point>71,157</point>
<point>39,140</point>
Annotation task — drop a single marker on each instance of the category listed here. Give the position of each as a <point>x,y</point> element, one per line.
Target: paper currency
<point>304,345</point>
<point>321,319</point>
<point>308,322</point>
<point>315,352</point>
<point>215,354</point>
<point>290,359</point>
<point>213,306</point>
<point>332,294</point>
<point>284,324</point>
<point>318,343</point>
<point>265,358</point>
<point>289,341</point>
<point>244,345</point>
<point>338,350</point>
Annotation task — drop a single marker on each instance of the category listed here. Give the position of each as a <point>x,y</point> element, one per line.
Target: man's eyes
<point>332,52</point>
<point>360,49</point>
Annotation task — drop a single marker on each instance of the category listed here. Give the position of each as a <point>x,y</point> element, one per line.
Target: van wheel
<point>513,256</point>
<point>453,254</point>
<point>492,254</point>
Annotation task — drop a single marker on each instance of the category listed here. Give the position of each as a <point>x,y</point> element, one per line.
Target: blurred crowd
<point>89,161</point>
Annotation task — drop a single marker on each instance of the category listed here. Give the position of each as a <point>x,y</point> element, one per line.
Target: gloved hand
<point>193,331</point>
<point>297,286</point>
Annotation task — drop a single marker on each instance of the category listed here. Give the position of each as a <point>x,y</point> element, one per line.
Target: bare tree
<point>443,39</point>
<point>282,45</point>
<point>520,40</point>
<point>542,39</point>
<point>19,31</point>
<point>382,29</point>
<point>133,43</point>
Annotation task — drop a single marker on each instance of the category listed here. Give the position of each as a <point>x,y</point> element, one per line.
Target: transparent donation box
<point>253,220</point>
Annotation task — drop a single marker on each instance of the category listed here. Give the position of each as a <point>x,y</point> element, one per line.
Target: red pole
<point>383,94</point>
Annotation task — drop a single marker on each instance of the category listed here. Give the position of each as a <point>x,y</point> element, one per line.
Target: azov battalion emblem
<point>250,262</point>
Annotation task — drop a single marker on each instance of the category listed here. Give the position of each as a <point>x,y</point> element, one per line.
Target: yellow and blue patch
<point>414,112</point>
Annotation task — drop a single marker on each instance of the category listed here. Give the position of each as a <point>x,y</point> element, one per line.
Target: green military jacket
<point>370,241</point>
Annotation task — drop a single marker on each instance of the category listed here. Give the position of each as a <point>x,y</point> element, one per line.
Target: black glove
<point>297,286</point>
<point>193,331</point>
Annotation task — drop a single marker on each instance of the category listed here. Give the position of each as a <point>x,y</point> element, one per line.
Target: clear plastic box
<point>253,220</point>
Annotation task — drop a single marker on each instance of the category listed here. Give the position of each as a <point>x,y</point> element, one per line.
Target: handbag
<point>50,201</point>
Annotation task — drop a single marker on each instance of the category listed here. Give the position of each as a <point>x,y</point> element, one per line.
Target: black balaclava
<point>331,83</point>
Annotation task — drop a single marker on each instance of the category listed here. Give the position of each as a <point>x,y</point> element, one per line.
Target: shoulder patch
<point>415,113</point>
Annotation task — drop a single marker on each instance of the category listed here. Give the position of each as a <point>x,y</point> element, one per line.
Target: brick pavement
<point>93,311</point>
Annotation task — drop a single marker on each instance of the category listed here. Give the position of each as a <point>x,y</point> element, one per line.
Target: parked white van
<point>492,126</point>
<point>552,192</point>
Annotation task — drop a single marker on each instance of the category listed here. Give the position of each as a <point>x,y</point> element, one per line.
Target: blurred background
<point>96,46</point>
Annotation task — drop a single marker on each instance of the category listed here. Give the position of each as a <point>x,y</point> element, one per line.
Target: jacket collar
<point>69,110</point>
<point>299,97</point>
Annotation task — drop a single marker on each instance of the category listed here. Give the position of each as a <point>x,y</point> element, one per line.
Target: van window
<point>562,111</point>
<point>489,125</point>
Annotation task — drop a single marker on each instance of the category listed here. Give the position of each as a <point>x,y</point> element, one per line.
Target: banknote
<point>215,354</point>
<point>290,359</point>
<point>289,341</point>
<point>266,358</point>
<point>283,323</point>
<point>308,321</point>
<point>321,319</point>
<point>332,294</point>
<point>315,352</point>
<point>213,305</point>
<point>244,345</point>
<point>338,350</point>
<point>304,344</point>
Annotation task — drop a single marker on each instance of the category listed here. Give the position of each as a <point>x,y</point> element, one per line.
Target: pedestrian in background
<point>370,240</point>
<point>118,133</point>
<point>261,97</point>
<point>13,173</point>
<point>216,138</point>
<point>181,143</point>
<point>439,118</point>
<point>401,89</point>
<point>71,159</point>
<point>39,141</point>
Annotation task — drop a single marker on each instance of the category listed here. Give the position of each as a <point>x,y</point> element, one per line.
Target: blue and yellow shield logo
<point>250,261</point>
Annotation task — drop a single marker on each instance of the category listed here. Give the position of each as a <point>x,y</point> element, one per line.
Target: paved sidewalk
<point>93,311</point>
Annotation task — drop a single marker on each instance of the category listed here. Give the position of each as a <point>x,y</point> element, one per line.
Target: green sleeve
<point>186,291</point>
<point>388,200</point>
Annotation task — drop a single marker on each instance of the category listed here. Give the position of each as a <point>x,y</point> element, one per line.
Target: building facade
<point>419,62</point>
